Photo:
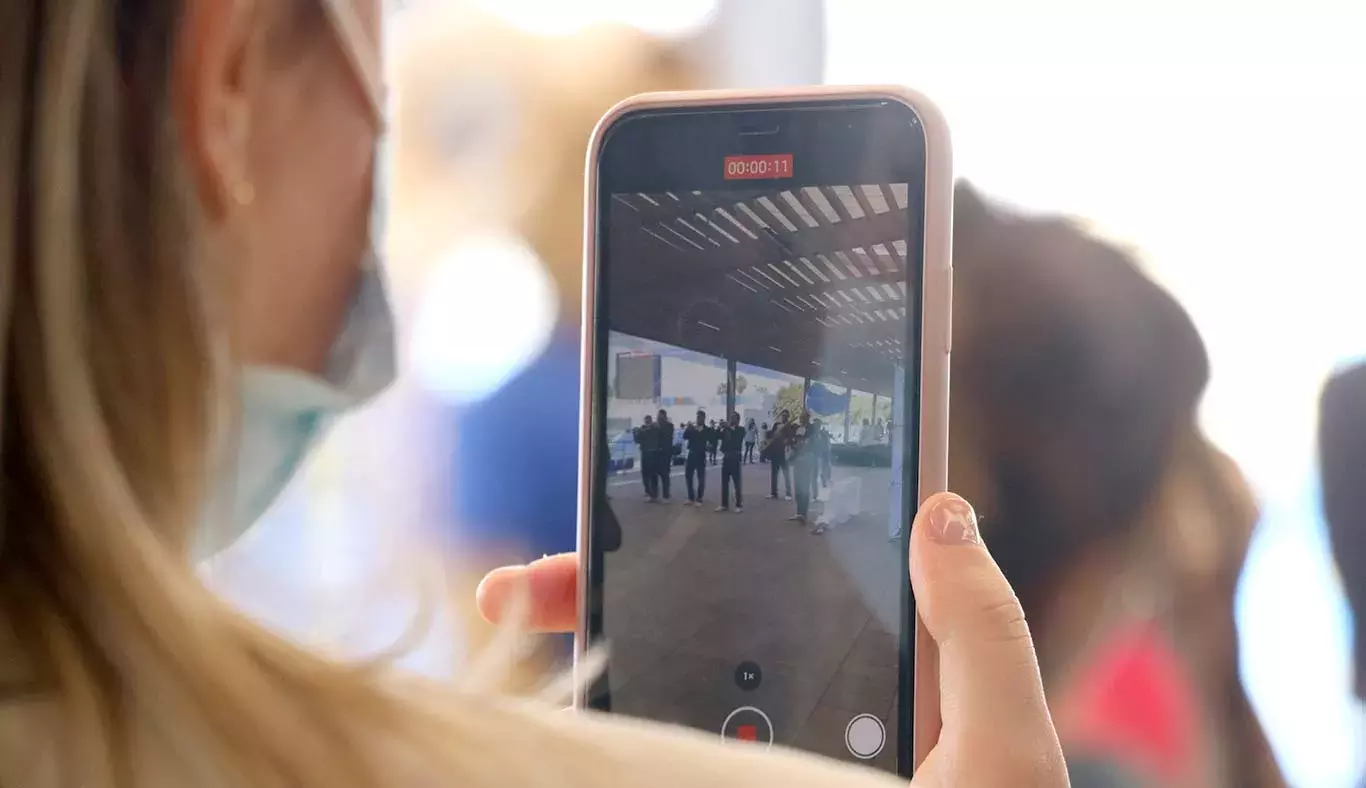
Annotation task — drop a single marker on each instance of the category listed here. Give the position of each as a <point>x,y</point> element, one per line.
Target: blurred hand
<point>552,583</point>
<point>997,729</point>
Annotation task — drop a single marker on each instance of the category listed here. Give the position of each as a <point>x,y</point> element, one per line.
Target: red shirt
<point>1134,704</point>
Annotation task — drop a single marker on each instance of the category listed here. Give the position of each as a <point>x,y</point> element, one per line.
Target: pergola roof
<point>809,281</point>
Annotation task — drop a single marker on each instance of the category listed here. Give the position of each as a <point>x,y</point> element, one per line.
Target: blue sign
<point>824,402</point>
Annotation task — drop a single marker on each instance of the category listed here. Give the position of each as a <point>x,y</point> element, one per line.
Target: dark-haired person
<point>647,440</point>
<point>820,449</point>
<point>804,453</point>
<point>777,441</point>
<point>731,438</point>
<point>1076,384</point>
<point>663,453</point>
<point>751,438</point>
<point>696,438</point>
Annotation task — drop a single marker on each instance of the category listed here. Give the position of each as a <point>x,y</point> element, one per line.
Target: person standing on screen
<point>751,438</point>
<point>820,453</point>
<point>804,447</point>
<point>731,437</point>
<point>778,440</point>
<point>645,439</point>
<point>827,455</point>
<point>714,440</point>
<point>664,453</point>
<point>763,442</point>
<point>696,436</point>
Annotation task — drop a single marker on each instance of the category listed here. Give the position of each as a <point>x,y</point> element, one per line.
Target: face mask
<point>284,412</point>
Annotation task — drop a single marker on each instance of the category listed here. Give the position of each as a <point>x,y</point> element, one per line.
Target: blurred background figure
<point>1076,382</point>
<point>1135,395</point>
<point>1342,469</point>
<point>494,118</point>
<point>493,122</point>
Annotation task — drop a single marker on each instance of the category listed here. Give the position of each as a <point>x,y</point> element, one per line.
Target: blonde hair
<point>109,407</point>
<point>119,667</point>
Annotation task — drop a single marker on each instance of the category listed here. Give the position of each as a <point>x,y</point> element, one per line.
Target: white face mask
<point>284,412</point>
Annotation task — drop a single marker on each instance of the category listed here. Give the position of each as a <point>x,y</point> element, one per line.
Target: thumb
<point>992,697</point>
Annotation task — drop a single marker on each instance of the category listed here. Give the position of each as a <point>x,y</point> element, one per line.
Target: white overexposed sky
<point>1228,150</point>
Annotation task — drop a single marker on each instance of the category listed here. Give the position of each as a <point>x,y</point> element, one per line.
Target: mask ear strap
<point>363,54</point>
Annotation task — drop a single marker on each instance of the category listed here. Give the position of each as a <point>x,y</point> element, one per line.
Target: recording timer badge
<point>748,676</point>
<point>762,167</point>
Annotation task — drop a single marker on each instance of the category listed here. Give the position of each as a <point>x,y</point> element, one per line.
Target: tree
<point>789,399</point>
<point>740,385</point>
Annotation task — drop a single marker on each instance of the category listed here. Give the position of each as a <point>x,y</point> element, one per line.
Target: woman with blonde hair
<point>189,295</point>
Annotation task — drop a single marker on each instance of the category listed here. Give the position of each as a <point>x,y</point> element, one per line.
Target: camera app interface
<point>752,561</point>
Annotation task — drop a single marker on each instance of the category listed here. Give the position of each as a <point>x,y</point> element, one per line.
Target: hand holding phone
<point>781,257</point>
<point>990,673</point>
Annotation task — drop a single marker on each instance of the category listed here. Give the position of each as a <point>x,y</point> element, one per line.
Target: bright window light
<point>488,310</point>
<point>555,17</point>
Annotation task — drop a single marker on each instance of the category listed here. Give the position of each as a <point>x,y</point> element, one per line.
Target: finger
<point>989,674</point>
<point>552,584</point>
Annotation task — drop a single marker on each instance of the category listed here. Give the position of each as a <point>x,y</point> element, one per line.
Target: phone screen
<point>756,369</point>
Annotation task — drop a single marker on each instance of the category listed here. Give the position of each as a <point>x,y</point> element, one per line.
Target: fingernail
<point>493,589</point>
<point>952,521</point>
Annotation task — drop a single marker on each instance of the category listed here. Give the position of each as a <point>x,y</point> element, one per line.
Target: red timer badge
<point>762,166</point>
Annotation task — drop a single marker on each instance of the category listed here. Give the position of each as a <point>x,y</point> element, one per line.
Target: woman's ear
<point>211,99</point>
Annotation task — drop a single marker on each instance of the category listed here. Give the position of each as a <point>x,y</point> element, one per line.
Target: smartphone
<point>765,402</point>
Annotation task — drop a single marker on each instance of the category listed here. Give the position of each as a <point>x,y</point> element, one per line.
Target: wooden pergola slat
<point>802,302</point>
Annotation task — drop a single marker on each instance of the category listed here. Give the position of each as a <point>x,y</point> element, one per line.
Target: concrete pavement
<point>692,593</point>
